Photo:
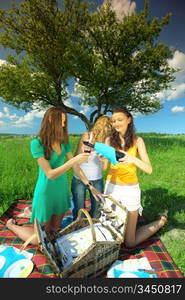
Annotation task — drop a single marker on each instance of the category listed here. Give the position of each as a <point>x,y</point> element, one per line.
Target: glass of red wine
<point>87,149</point>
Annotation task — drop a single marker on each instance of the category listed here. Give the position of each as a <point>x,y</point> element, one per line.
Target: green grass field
<point>164,188</point>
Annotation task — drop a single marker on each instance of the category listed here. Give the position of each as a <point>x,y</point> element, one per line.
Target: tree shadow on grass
<point>157,200</point>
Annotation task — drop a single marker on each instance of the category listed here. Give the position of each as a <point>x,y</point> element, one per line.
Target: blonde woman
<point>93,169</point>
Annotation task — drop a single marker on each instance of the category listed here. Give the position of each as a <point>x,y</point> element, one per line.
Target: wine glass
<point>87,149</point>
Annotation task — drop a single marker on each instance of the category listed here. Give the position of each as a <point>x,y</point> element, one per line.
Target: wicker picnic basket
<point>100,255</point>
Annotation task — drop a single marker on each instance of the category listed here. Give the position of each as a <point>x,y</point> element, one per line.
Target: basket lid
<point>46,246</point>
<point>114,216</point>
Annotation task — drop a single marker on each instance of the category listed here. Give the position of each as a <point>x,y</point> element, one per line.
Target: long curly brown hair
<point>129,136</point>
<point>102,129</point>
<point>52,131</point>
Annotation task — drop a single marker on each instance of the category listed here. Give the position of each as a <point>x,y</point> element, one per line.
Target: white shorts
<point>128,195</point>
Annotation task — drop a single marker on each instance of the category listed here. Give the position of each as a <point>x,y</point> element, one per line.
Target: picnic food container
<point>97,242</point>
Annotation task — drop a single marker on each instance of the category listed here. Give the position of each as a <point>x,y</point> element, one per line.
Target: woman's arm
<point>54,173</point>
<point>143,163</point>
<point>78,170</point>
<point>105,161</point>
<point>82,176</point>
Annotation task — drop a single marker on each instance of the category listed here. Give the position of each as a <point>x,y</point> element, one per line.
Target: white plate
<point>2,247</point>
<point>2,261</point>
<point>128,275</point>
<point>19,269</point>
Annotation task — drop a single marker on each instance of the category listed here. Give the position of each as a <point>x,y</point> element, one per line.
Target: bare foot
<point>9,223</point>
<point>26,213</point>
<point>163,220</point>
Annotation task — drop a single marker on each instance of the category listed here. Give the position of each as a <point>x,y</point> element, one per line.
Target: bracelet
<point>88,185</point>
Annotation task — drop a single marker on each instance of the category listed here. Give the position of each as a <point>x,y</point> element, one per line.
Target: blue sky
<point>170,119</point>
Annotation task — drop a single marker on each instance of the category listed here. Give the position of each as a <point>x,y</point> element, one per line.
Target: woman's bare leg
<point>134,237</point>
<point>23,232</point>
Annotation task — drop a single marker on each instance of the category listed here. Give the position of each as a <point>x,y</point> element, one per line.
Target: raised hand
<point>127,159</point>
<point>81,158</point>
<point>97,195</point>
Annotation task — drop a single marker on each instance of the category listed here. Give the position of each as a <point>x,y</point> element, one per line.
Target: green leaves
<point>116,61</point>
<point>125,64</point>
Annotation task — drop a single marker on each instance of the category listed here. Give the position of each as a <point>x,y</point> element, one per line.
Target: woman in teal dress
<point>51,198</point>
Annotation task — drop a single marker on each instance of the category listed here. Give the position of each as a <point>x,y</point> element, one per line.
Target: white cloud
<point>177,92</point>
<point>122,7</point>
<point>2,123</point>
<point>79,91</point>
<point>13,117</point>
<point>27,119</point>
<point>178,109</point>
<point>68,102</point>
<point>22,125</point>
<point>76,95</point>
<point>2,62</point>
<point>13,120</point>
<point>178,60</point>
<point>6,110</point>
<point>177,89</point>
<point>84,110</point>
<point>7,115</point>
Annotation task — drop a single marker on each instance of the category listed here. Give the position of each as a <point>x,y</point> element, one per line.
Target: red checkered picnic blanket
<point>153,249</point>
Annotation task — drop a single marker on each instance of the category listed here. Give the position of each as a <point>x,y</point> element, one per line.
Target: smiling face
<point>120,122</point>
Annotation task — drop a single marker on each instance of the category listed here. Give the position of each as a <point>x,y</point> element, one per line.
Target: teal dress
<point>51,197</point>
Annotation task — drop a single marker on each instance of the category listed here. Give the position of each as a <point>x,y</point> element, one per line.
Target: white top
<point>92,168</point>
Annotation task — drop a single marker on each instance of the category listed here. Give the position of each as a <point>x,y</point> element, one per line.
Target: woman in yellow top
<point>122,181</point>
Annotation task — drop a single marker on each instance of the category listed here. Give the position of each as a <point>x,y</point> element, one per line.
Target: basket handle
<point>82,210</point>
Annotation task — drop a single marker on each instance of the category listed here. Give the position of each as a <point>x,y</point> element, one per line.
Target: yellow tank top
<point>124,173</point>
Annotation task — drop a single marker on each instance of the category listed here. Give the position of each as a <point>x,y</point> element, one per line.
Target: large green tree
<point>43,37</point>
<point>124,64</point>
<point>116,62</point>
